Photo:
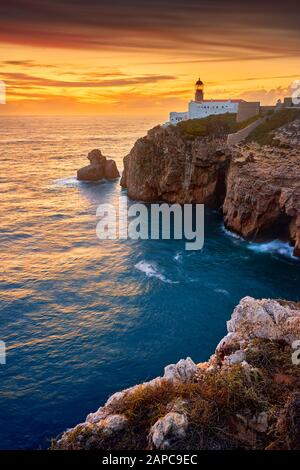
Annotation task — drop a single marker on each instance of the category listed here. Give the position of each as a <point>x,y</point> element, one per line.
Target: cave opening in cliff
<point>279,228</point>
<point>220,192</point>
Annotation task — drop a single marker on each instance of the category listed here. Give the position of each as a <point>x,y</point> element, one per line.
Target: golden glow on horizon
<point>43,80</point>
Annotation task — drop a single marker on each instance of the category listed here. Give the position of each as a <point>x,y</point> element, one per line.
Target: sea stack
<point>100,167</point>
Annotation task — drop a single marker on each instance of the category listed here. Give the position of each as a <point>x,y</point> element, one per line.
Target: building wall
<point>175,118</point>
<point>288,103</point>
<point>206,108</point>
<point>247,109</point>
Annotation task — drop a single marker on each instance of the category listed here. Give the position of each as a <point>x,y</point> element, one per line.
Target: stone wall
<point>238,136</point>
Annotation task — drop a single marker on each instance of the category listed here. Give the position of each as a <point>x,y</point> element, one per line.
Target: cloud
<point>25,63</point>
<point>215,30</point>
<point>21,79</point>
<point>267,97</point>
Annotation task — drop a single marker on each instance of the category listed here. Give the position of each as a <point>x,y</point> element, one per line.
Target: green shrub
<point>263,133</point>
<point>216,125</point>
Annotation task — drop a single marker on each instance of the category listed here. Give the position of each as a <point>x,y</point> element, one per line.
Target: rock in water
<point>99,168</point>
<point>111,171</point>
<point>257,187</point>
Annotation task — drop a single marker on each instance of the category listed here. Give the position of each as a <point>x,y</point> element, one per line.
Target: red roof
<point>222,101</point>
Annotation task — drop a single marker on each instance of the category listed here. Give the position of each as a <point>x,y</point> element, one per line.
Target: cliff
<point>256,186</point>
<point>171,166</point>
<point>247,396</point>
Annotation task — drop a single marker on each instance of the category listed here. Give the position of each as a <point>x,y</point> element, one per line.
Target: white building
<point>201,108</point>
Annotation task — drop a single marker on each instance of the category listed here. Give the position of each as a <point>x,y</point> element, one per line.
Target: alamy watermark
<point>2,353</point>
<point>2,93</point>
<point>152,221</point>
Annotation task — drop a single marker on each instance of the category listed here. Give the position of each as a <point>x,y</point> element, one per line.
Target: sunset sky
<point>143,57</point>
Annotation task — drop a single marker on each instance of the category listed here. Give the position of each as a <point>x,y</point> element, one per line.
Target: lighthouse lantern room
<point>199,86</point>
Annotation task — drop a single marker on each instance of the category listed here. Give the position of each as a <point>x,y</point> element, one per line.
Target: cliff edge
<point>257,186</point>
<point>247,396</point>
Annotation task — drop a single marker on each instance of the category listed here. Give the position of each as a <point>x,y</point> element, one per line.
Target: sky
<point>139,57</point>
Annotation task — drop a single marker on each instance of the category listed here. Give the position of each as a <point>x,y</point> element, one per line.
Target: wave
<point>178,257</point>
<point>150,269</point>
<point>71,181</point>
<point>222,291</point>
<point>275,247</point>
<point>231,234</point>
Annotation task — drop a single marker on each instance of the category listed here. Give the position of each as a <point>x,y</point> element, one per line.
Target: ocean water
<point>83,318</point>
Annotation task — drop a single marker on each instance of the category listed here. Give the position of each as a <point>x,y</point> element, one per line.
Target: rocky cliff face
<point>247,396</point>
<point>258,188</point>
<point>263,194</point>
<point>168,166</point>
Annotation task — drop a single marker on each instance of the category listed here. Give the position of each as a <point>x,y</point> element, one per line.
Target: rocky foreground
<point>256,187</point>
<point>247,396</point>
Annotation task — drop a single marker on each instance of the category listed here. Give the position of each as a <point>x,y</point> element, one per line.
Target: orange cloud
<point>140,56</point>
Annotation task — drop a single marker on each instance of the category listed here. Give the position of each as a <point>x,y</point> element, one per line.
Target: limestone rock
<point>90,173</point>
<point>248,425</point>
<point>95,157</point>
<point>262,199</point>
<point>110,170</point>
<point>113,424</point>
<point>235,358</point>
<point>264,318</point>
<point>167,431</point>
<point>183,370</point>
<point>167,166</point>
<point>99,168</point>
<point>258,188</point>
<point>86,435</point>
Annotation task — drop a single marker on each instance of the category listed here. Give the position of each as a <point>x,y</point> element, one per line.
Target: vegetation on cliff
<point>263,134</point>
<point>219,406</point>
<point>247,396</point>
<point>218,125</point>
<point>215,126</point>
<point>256,187</point>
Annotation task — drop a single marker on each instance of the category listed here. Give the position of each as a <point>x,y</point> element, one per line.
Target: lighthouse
<point>199,86</point>
<point>199,108</point>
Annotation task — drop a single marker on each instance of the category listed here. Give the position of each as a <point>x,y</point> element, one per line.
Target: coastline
<point>82,325</point>
<point>251,383</point>
<point>256,187</point>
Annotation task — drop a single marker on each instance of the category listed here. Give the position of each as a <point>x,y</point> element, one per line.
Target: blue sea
<point>83,318</point>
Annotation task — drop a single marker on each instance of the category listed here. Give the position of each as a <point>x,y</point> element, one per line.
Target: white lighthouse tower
<point>201,108</point>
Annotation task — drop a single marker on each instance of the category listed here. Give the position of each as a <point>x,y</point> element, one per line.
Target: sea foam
<point>71,181</point>
<point>151,270</point>
<point>274,247</point>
